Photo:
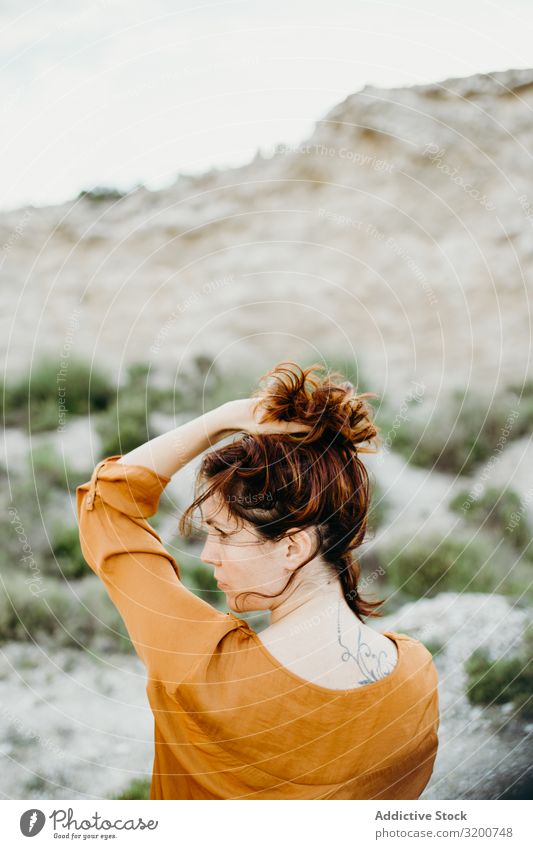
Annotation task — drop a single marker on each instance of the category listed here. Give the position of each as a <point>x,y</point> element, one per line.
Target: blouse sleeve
<point>172,629</point>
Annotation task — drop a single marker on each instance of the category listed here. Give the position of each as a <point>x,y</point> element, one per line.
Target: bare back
<point>317,652</point>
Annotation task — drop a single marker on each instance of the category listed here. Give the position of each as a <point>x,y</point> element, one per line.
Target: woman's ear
<point>299,546</point>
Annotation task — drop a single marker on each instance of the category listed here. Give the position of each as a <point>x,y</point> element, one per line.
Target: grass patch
<point>139,788</point>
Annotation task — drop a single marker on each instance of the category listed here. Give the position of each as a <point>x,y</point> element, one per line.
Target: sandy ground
<point>73,725</point>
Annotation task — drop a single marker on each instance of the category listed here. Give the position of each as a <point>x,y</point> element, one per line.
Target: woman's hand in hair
<point>246,414</point>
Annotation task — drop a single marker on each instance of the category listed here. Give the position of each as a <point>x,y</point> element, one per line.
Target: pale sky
<point>120,92</point>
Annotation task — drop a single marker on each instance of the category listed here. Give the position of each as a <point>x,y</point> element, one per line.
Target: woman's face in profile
<point>242,561</point>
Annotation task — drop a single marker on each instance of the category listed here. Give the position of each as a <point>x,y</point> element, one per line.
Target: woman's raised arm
<point>168,453</point>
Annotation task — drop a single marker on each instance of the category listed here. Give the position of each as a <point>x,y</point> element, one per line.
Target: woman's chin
<point>232,604</point>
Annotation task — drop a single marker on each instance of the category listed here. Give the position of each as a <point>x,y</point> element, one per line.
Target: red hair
<point>310,479</point>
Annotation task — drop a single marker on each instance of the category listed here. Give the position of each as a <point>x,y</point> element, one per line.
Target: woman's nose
<point>207,554</point>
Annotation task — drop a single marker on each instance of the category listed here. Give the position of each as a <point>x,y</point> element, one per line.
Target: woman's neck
<point>309,601</point>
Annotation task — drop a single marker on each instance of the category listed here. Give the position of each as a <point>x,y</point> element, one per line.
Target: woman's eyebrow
<point>209,522</point>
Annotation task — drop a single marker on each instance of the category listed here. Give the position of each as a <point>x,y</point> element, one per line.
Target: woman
<point>320,706</point>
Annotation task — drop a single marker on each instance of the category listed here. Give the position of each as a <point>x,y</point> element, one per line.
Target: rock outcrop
<point>485,752</point>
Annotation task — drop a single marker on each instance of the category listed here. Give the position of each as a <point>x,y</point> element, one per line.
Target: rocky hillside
<point>400,232</point>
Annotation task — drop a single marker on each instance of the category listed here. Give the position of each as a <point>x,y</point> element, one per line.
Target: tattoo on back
<point>370,664</point>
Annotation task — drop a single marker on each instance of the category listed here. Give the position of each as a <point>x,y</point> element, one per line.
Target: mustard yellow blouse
<point>230,722</point>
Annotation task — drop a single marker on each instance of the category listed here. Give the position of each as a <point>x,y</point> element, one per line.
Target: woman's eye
<point>220,534</point>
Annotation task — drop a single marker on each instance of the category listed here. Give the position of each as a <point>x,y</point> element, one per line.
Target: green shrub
<point>138,383</point>
<point>101,194</point>
<point>139,788</point>
<point>43,416</point>
<point>393,598</point>
<point>33,538</point>
<point>201,582</point>
<point>22,528</point>
<point>33,401</point>
<point>205,386</point>
<point>426,566</point>
<point>126,423</point>
<point>46,467</point>
<point>378,507</point>
<point>522,397</point>
<point>93,619</point>
<point>49,471</point>
<point>24,616</point>
<point>434,646</point>
<point>125,426</point>
<point>35,395</point>
<point>78,614</point>
<point>499,681</point>
<point>31,527</point>
<point>399,431</point>
<point>499,509</point>
<point>348,367</point>
<point>195,575</point>
<point>456,434</point>
<point>104,623</point>
<point>66,549</point>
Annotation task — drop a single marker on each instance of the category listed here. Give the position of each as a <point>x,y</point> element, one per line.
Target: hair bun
<point>321,398</point>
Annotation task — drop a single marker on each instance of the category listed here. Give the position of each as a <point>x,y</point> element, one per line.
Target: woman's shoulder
<point>410,644</point>
<point>417,660</point>
<point>316,659</point>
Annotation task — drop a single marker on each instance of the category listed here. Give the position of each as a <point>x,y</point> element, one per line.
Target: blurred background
<point>191,193</point>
